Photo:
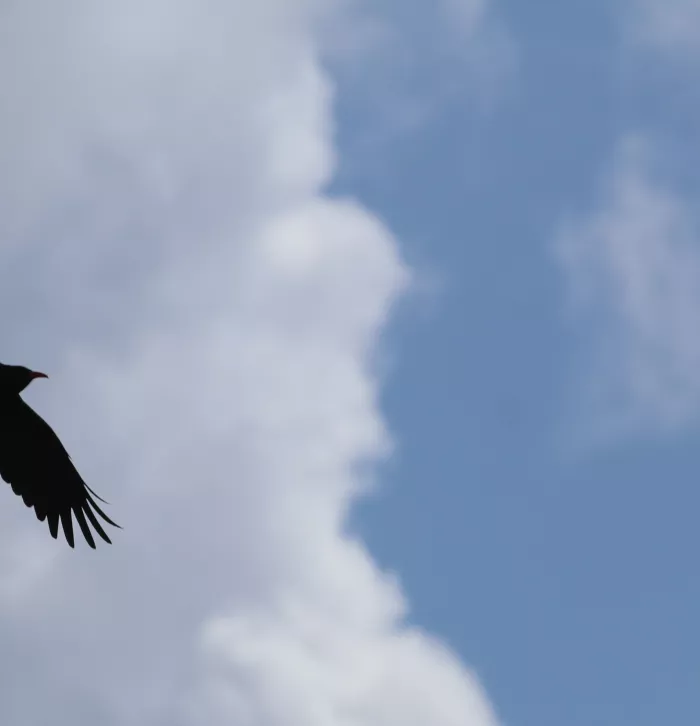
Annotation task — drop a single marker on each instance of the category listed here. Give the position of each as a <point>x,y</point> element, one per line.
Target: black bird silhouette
<point>37,466</point>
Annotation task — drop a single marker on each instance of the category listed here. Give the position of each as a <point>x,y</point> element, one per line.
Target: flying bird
<point>34,462</point>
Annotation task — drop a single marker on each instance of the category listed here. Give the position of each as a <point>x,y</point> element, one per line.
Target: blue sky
<point>554,550</point>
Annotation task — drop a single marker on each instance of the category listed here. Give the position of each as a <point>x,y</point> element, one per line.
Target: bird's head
<point>14,379</point>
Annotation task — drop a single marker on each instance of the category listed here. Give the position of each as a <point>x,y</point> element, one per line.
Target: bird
<point>34,462</point>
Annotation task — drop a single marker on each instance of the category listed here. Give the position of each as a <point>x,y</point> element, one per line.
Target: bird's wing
<point>37,466</point>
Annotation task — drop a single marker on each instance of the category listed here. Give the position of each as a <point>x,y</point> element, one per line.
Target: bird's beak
<point>36,374</point>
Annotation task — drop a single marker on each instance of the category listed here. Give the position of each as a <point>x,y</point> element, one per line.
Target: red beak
<point>36,374</point>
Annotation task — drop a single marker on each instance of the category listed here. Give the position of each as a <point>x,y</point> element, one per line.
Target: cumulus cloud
<point>634,268</point>
<point>208,318</point>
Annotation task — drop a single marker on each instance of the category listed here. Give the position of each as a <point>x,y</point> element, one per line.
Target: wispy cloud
<point>672,27</point>
<point>208,319</point>
<point>633,261</point>
<point>634,268</point>
<point>416,60</point>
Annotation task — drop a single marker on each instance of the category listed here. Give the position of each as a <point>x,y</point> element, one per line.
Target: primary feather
<point>38,468</point>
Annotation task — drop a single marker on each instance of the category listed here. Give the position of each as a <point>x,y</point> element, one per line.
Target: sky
<point>374,323</point>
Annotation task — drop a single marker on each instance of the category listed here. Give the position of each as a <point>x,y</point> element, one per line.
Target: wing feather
<point>38,468</point>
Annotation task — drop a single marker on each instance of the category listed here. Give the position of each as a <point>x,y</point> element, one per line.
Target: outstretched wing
<point>38,468</point>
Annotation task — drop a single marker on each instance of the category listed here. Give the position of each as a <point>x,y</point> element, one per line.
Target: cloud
<point>634,268</point>
<point>672,27</point>
<point>404,64</point>
<point>208,319</point>
<point>633,262</point>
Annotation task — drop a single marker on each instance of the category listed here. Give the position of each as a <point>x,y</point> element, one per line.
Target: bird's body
<point>37,466</point>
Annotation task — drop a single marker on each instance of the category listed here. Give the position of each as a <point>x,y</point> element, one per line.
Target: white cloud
<point>633,263</point>
<point>634,267</point>
<point>208,320</point>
